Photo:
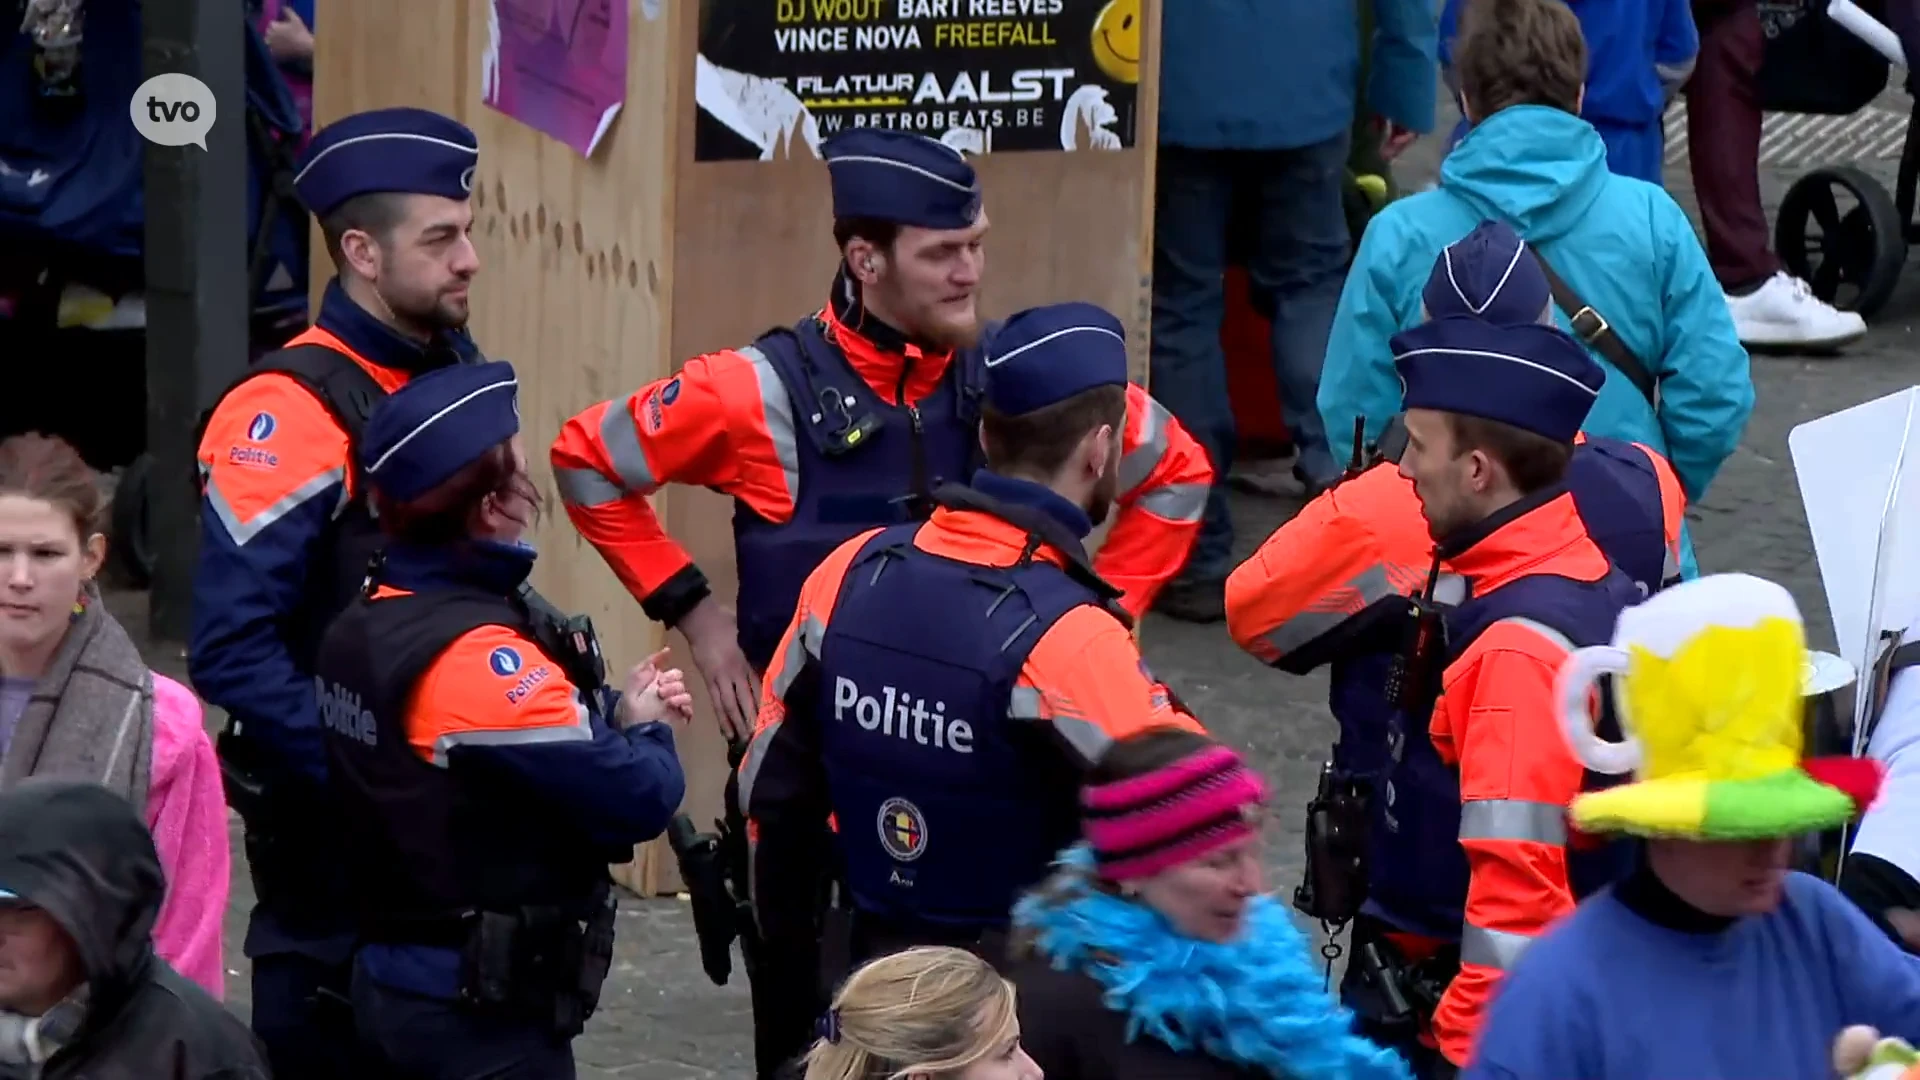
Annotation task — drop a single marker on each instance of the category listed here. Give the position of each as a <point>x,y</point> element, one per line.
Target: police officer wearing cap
<point>942,686</point>
<point>285,535</point>
<point>847,420</point>
<point>485,772</point>
<point>1292,606</point>
<point>1492,415</point>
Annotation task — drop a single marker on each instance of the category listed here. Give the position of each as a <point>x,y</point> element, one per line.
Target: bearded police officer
<point>486,774</point>
<point>846,421</point>
<point>942,686</point>
<point>285,536</point>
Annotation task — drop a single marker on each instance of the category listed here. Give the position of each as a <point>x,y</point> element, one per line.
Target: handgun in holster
<point>539,963</point>
<point>1408,993</point>
<point>283,817</point>
<point>715,867</point>
<point>1335,882</point>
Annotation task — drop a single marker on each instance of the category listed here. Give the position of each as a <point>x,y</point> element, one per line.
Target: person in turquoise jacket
<point>1257,106</point>
<point>1621,244</point>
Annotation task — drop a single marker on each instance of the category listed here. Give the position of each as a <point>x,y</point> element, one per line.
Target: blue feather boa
<point>1256,1003</point>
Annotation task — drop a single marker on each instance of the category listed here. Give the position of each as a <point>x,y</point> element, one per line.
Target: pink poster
<point>559,66</point>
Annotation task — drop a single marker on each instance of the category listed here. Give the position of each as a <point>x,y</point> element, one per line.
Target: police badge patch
<point>903,830</point>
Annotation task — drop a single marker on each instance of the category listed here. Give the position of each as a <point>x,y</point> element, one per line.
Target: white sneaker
<point>1784,313</point>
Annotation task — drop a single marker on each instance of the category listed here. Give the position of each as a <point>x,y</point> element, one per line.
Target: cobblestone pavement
<point>662,1020</point>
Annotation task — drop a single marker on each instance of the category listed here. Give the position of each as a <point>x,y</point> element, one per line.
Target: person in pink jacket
<point>77,701</point>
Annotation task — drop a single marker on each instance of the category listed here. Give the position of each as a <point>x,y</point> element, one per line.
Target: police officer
<point>1370,539</point>
<point>1331,586</point>
<point>285,535</point>
<point>485,773</point>
<point>1492,412</point>
<point>845,421</point>
<point>942,686</point>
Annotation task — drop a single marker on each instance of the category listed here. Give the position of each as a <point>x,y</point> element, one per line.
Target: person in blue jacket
<point>285,535</point>
<point>1622,246</point>
<point>1640,53</point>
<point>486,773</point>
<point>1258,98</point>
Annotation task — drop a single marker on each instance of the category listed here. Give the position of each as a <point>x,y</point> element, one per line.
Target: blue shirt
<point>1609,995</point>
<point>1281,74</point>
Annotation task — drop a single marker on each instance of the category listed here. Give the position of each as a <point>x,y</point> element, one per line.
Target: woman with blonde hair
<point>930,1013</point>
<point>77,701</point>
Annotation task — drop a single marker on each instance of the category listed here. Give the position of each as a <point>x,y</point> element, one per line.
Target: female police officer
<point>487,775</point>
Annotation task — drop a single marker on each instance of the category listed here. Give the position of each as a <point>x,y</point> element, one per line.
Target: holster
<point>538,965</point>
<point>288,837</point>
<point>1334,884</point>
<point>1399,993</point>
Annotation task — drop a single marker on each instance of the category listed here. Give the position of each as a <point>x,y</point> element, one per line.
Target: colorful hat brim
<point>1694,807</point>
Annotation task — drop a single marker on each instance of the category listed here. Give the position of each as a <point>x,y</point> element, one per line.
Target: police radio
<point>1413,677</point>
<point>1335,880</point>
<point>849,432</point>
<point>570,639</point>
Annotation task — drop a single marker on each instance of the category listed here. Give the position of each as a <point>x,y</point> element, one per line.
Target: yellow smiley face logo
<point>1116,41</point>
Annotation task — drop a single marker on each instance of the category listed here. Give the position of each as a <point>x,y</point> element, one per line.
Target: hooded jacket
<point>1623,245</point>
<point>82,854</point>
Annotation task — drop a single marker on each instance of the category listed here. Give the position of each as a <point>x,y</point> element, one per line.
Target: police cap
<point>1045,355</point>
<point>902,178</point>
<point>1529,376</point>
<point>406,150</point>
<point>437,424</point>
<point>1490,274</point>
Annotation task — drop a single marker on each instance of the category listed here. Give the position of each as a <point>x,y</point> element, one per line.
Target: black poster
<point>776,77</point>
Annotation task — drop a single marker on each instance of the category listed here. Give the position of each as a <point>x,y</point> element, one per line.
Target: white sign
<point>1861,491</point>
<point>173,110</point>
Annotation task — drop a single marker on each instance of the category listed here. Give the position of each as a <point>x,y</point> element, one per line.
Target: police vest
<point>337,565</point>
<point>428,846</point>
<point>951,797</point>
<point>1417,870</point>
<point>1617,492</point>
<point>861,464</point>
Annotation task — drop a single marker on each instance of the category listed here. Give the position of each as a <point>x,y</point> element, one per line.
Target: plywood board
<point>755,249</point>
<point>599,276</point>
<point>575,254</point>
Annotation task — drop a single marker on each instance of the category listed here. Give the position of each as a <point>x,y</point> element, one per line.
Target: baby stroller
<point>1838,229</point>
<point>72,233</point>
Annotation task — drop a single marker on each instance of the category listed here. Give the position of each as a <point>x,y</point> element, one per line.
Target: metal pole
<point>198,308</point>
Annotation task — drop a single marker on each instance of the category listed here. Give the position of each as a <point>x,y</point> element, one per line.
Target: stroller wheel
<point>1839,231</point>
<point>132,547</point>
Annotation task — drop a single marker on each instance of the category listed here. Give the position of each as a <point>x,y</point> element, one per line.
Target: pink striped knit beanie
<point>1175,814</point>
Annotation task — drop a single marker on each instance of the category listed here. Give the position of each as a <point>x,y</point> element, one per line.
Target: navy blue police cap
<point>1045,355</point>
<point>900,177</point>
<point>1489,274</point>
<point>406,150</point>
<point>436,425</point>
<point>1533,377</point>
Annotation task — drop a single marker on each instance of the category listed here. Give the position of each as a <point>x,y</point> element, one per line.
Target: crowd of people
<point>1554,837</point>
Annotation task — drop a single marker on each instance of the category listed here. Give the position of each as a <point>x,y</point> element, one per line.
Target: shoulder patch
<point>261,427</point>
<point>505,661</point>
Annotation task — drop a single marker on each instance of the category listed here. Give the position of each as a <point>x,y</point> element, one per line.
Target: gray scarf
<point>91,714</point>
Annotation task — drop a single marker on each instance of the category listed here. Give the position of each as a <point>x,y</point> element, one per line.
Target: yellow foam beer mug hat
<point>1707,684</point>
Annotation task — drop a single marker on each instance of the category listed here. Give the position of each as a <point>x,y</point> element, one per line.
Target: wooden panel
<point>574,283</point>
<point>755,249</point>
<point>600,276</point>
